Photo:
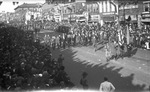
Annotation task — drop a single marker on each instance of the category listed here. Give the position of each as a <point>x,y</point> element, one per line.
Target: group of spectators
<point>28,65</point>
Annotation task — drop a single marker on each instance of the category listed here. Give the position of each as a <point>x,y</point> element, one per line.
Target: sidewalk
<point>126,71</point>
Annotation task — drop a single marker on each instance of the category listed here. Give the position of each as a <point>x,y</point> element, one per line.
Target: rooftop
<point>25,5</point>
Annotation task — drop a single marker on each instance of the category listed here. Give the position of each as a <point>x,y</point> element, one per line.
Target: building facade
<point>145,16</point>
<point>73,11</point>
<point>130,9</point>
<point>27,12</point>
<point>138,10</point>
<point>80,10</point>
<point>52,12</point>
<point>101,11</point>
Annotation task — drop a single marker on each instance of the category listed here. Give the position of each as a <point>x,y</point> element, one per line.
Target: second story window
<point>146,7</point>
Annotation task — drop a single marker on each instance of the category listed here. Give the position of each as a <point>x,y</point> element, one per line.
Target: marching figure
<point>108,52</point>
<point>94,42</point>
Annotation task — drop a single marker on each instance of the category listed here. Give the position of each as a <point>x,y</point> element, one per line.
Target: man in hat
<point>83,80</point>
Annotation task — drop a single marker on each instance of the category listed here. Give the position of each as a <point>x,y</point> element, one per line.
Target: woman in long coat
<point>125,50</point>
<point>112,49</point>
<point>77,39</point>
<point>94,43</point>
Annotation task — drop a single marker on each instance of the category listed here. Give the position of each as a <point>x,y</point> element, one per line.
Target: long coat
<point>112,48</point>
<point>125,48</point>
<point>118,50</point>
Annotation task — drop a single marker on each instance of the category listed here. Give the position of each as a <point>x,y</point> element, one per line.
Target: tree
<point>1,2</point>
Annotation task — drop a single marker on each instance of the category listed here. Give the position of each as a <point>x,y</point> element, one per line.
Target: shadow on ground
<point>75,67</point>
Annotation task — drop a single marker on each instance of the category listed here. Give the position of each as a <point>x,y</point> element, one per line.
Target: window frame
<point>144,6</point>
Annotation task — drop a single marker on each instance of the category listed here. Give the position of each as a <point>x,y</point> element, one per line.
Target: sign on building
<point>95,18</point>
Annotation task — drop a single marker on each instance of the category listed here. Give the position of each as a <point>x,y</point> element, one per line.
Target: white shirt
<point>106,87</point>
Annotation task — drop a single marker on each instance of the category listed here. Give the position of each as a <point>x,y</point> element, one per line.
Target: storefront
<point>145,18</point>
<point>95,18</point>
<point>108,18</point>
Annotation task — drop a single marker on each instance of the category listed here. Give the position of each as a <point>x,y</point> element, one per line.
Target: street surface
<point>128,74</point>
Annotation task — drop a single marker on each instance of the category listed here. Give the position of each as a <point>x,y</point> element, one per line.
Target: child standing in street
<point>83,80</point>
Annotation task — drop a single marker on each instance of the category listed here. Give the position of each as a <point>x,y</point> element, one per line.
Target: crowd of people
<point>117,42</point>
<point>28,65</point>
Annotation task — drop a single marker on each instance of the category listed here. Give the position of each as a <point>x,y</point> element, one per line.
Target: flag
<point>119,36</point>
<point>128,35</point>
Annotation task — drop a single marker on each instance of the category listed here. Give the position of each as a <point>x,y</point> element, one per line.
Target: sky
<point>8,6</point>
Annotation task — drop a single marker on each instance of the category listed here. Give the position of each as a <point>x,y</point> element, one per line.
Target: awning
<point>93,21</point>
<point>145,20</point>
<point>82,20</point>
<point>134,21</point>
<point>108,19</point>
